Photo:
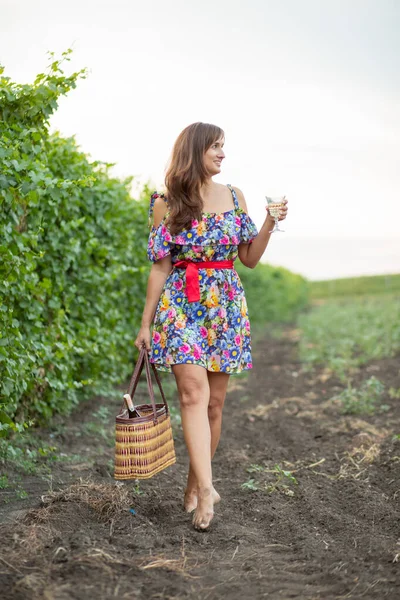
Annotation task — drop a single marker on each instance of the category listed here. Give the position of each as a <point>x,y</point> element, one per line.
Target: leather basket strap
<point>150,386</point>
<point>157,377</point>
<point>143,361</point>
<point>135,376</point>
<point>136,373</point>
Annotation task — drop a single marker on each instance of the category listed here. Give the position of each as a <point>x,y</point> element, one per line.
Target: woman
<point>201,330</point>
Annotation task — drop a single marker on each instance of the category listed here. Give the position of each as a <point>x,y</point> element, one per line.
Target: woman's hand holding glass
<point>277,209</point>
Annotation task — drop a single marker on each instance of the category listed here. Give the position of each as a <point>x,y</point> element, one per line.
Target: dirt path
<point>332,535</point>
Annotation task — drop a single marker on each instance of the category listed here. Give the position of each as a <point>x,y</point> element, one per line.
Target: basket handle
<point>158,380</point>
<point>143,361</point>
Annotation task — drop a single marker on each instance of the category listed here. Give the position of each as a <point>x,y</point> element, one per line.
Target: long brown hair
<point>186,174</point>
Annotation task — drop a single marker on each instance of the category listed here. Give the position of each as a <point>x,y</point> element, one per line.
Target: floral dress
<point>213,332</point>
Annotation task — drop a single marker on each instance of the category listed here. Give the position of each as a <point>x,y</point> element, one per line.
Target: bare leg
<point>218,383</point>
<point>194,394</point>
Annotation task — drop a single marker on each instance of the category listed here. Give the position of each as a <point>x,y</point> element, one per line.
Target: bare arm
<point>158,275</point>
<point>250,254</point>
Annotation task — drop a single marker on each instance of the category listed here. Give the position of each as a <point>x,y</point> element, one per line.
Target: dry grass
<point>365,454</point>
<point>105,560</point>
<point>291,405</point>
<point>105,499</point>
<point>97,558</point>
<point>25,540</point>
<point>31,586</point>
<point>364,426</point>
<point>236,384</point>
<point>179,565</point>
<point>36,586</point>
<point>41,580</point>
<point>39,515</point>
<point>396,557</point>
<point>40,527</point>
<point>35,537</point>
<point>354,463</point>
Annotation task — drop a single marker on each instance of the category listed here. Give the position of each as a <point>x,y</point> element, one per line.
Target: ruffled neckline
<point>215,214</point>
<point>229,227</point>
<point>212,215</point>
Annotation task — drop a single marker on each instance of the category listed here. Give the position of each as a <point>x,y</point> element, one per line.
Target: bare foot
<point>190,499</point>
<point>205,509</point>
<point>216,496</point>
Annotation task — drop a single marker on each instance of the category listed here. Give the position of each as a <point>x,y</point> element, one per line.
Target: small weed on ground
<point>10,489</point>
<point>363,400</point>
<point>394,393</point>
<point>282,483</point>
<point>25,454</point>
<point>4,482</point>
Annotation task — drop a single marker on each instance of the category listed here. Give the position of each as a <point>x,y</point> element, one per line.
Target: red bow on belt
<point>192,274</point>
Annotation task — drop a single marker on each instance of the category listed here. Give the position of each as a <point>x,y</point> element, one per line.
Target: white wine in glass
<point>275,205</point>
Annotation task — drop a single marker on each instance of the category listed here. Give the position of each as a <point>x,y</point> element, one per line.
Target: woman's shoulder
<point>158,207</point>
<point>158,198</point>
<point>240,197</point>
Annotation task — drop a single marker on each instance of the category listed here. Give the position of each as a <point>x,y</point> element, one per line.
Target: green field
<point>352,322</point>
<point>377,284</point>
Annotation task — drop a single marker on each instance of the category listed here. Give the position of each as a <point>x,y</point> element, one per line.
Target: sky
<point>307,92</point>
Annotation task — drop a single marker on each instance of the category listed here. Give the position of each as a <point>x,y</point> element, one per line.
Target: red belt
<point>192,274</point>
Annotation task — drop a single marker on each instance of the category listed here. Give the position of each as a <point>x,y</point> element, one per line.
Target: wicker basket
<point>144,444</point>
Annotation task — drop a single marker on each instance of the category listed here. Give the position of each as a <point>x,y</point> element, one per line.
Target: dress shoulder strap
<point>235,200</point>
<point>153,198</point>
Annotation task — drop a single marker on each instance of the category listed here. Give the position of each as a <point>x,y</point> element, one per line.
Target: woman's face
<point>214,156</point>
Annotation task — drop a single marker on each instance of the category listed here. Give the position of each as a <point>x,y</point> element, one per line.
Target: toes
<point>202,523</point>
<point>204,513</point>
<point>202,526</point>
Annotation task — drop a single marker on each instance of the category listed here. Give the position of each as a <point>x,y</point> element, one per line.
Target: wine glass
<point>274,206</point>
